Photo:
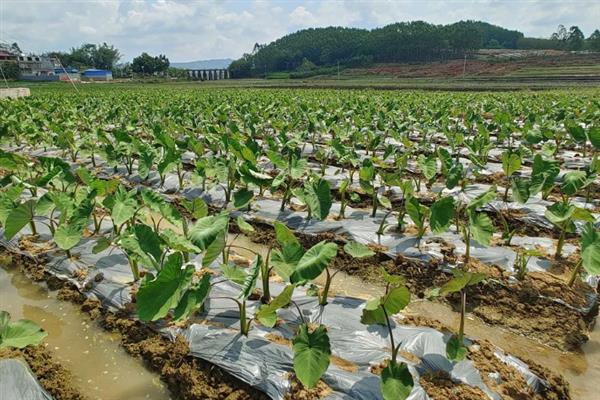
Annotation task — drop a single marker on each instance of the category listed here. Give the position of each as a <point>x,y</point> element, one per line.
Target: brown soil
<point>439,386</point>
<point>51,374</point>
<point>298,392</point>
<point>512,384</point>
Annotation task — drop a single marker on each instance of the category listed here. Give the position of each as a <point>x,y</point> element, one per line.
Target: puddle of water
<point>101,369</point>
<point>581,370</point>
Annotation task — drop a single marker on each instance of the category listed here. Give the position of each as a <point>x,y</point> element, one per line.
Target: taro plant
<point>316,195</point>
<point>299,266</point>
<point>590,253</point>
<point>473,224</point>
<point>19,334</point>
<point>563,215</point>
<point>396,380</point>
<point>455,348</point>
<point>522,260</point>
<point>175,286</point>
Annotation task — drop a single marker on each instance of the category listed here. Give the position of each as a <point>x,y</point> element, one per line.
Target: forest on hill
<point>322,48</point>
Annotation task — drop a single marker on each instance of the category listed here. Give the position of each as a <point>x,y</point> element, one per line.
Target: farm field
<point>306,244</point>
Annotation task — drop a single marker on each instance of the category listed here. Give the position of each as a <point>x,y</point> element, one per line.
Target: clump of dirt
<point>52,375</point>
<point>439,385</point>
<point>298,392</point>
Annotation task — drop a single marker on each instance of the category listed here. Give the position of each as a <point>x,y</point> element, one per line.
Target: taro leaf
<point>417,212</point>
<point>511,163</point>
<point>314,261</point>
<point>573,181</point>
<point>124,206</point>
<point>158,204</point>
<point>214,250</point>
<point>442,212</point>
<point>482,199</point>
<point>461,280</point>
<point>284,235</point>
<point>19,334</point>
<point>427,166</point>
<point>149,242</point>
<point>455,349</point>
<point>267,315</point>
<point>155,298</point>
<point>520,189</point>
<point>234,273</point>
<point>251,276</point>
<point>242,198</point>
<point>455,173</point>
<point>178,242</point>
<point>384,201</point>
<point>594,135</point>
<point>192,299</point>
<point>394,301</point>
<point>559,213</point>
<point>481,227</point>
<point>358,250</point>
<point>312,352</point>
<point>576,131</point>
<point>101,245</point>
<point>394,280</point>
<point>396,381</point>
<point>590,247</point>
<point>206,229</point>
<point>299,168</point>
<point>18,218</point>
<point>318,198</point>
<point>67,235</point>
<point>197,207</point>
<point>145,164</point>
<point>245,227</point>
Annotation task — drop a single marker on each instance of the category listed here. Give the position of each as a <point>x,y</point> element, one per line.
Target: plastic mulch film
<point>18,382</point>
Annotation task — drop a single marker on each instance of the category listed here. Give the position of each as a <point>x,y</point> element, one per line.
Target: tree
<point>575,39</point>
<point>148,65</point>
<point>105,56</point>
<point>594,40</point>
<point>560,36</point>
<point>10,70</point>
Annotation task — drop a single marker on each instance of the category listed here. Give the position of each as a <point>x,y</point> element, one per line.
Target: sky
<point>187,30</point>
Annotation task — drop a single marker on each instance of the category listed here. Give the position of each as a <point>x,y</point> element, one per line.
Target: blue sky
<point>188,30</point>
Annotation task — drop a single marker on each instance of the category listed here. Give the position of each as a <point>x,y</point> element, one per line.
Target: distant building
<point>6,56</point>
<point>38,68</point>
<point>67,73</point>
<point>97,75</point>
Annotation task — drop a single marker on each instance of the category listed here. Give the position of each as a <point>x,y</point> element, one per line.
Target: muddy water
<point>582,370</point>
<point>101,369</point>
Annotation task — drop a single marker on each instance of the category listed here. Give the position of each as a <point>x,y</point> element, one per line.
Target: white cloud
<point>200,29</point>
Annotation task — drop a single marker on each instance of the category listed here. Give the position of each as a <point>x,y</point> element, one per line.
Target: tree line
<point>399,42</point>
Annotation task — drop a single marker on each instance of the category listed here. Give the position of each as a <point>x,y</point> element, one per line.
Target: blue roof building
<point>97,74</point>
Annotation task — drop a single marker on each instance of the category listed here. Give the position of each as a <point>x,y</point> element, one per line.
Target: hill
<point>318,51</point>
<point>220,63</point>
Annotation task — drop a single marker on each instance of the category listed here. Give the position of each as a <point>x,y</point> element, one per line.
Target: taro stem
<point>575,273</point>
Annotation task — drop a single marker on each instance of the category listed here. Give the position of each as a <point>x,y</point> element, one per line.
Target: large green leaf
<point>66,236</point>
<point>206,229</point>
<point>520,189</point>
<point>573,181</point>
<point>192,299</point>
<point>124,206</point>
<point>559,213</point>
<point>242,198</point>
<point>214,250</point>
<point>158,204</point>
<point>18,218</point>
<point>481,227</point>
<point>461,280</point>
<point>427,165</point>
<point>590,249</point>
<point>442,212</point>
<point>267,315</point>
<point>197,207</point>
<point>157,297</point>
<point>178,242</point>
<point>318,198</point>
<point>394,301</point>
<point>482,199</point>
<point>144,242</point>
<point>312,353</point>
<point>234,273</point>
<point>417,212</point>
<point>511,163</point>
<point>314,261</point>
<point>19,334</point>
<point>251,277</point>
<point>358,250</point>
<point>594,135</point>
<point>396,381</point>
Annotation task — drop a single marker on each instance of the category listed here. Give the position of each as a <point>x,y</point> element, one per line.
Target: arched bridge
<point>208,74</point>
